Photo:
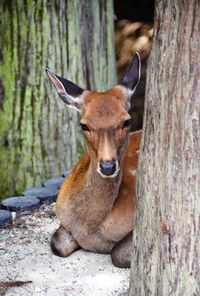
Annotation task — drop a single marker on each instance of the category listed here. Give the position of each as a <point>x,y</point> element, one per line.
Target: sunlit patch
<point>132,172</point>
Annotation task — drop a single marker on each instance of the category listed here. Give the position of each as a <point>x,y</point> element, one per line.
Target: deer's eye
<point>127,123</point>
<point>84,127</point>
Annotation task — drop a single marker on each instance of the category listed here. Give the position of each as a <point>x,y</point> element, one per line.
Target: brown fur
<point>121,252</point>
<point>96,213</point>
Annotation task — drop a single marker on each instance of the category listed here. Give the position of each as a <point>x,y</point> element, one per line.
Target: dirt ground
<point>25,255</point>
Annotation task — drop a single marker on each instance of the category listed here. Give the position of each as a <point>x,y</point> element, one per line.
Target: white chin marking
<point>111,176</point>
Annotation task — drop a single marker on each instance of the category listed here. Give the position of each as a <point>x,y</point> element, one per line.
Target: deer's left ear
<point>132,75</point>
<point>70,93</point>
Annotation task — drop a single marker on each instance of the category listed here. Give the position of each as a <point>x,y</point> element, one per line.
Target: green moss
<point>39,137</point>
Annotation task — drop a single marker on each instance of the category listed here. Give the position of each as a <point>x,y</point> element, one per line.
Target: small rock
<point>14,215</point>
<point>66,173</point>
<point>44,194</point>
<point>25,204</point>
<point>55,183</point>
<point>5,218</point>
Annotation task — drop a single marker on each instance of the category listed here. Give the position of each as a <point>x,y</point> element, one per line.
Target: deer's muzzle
<point>108,169</point>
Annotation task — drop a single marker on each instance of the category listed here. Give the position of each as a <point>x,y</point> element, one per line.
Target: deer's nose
<point>107,167</point>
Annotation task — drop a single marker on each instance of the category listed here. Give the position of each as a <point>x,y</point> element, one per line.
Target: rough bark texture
<point>166,251</point>
<point>39,137</point>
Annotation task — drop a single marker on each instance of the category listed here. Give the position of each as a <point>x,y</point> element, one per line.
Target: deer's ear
<point>70,93</point>
<point>132,75</point>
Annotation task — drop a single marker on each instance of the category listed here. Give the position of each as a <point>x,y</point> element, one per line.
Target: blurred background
<point>88,42</point>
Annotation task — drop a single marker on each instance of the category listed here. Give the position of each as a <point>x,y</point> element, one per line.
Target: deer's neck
<point>98,194</point>
<point>105,189</point>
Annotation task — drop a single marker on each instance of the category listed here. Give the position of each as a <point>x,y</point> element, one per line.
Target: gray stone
<point>66,173</point>
<point>44,194</point>
<point>25,204</point>
<point>55,183</point>
<point>5,218</point>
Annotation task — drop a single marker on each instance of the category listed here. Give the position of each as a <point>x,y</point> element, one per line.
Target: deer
<point>96,203</point>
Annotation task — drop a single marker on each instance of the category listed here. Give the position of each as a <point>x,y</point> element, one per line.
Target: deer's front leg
<point>121,252</point>
<point>63,243</point>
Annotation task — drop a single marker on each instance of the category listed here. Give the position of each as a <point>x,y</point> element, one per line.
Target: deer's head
<point>105,120</point>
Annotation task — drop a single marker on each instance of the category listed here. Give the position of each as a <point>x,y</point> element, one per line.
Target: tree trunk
<point>166,244</point>
<point>39,136</point>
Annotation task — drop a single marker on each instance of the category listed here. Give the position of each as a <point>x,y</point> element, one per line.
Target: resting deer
<point>96,203</point>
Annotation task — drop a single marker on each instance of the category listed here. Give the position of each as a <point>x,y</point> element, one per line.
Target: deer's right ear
<point>70,93</point>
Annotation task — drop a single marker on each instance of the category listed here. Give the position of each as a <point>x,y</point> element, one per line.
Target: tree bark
<point>166,245</point>
<point>39,136</point>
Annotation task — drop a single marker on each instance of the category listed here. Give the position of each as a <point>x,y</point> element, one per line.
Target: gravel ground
<point>25,255</point>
